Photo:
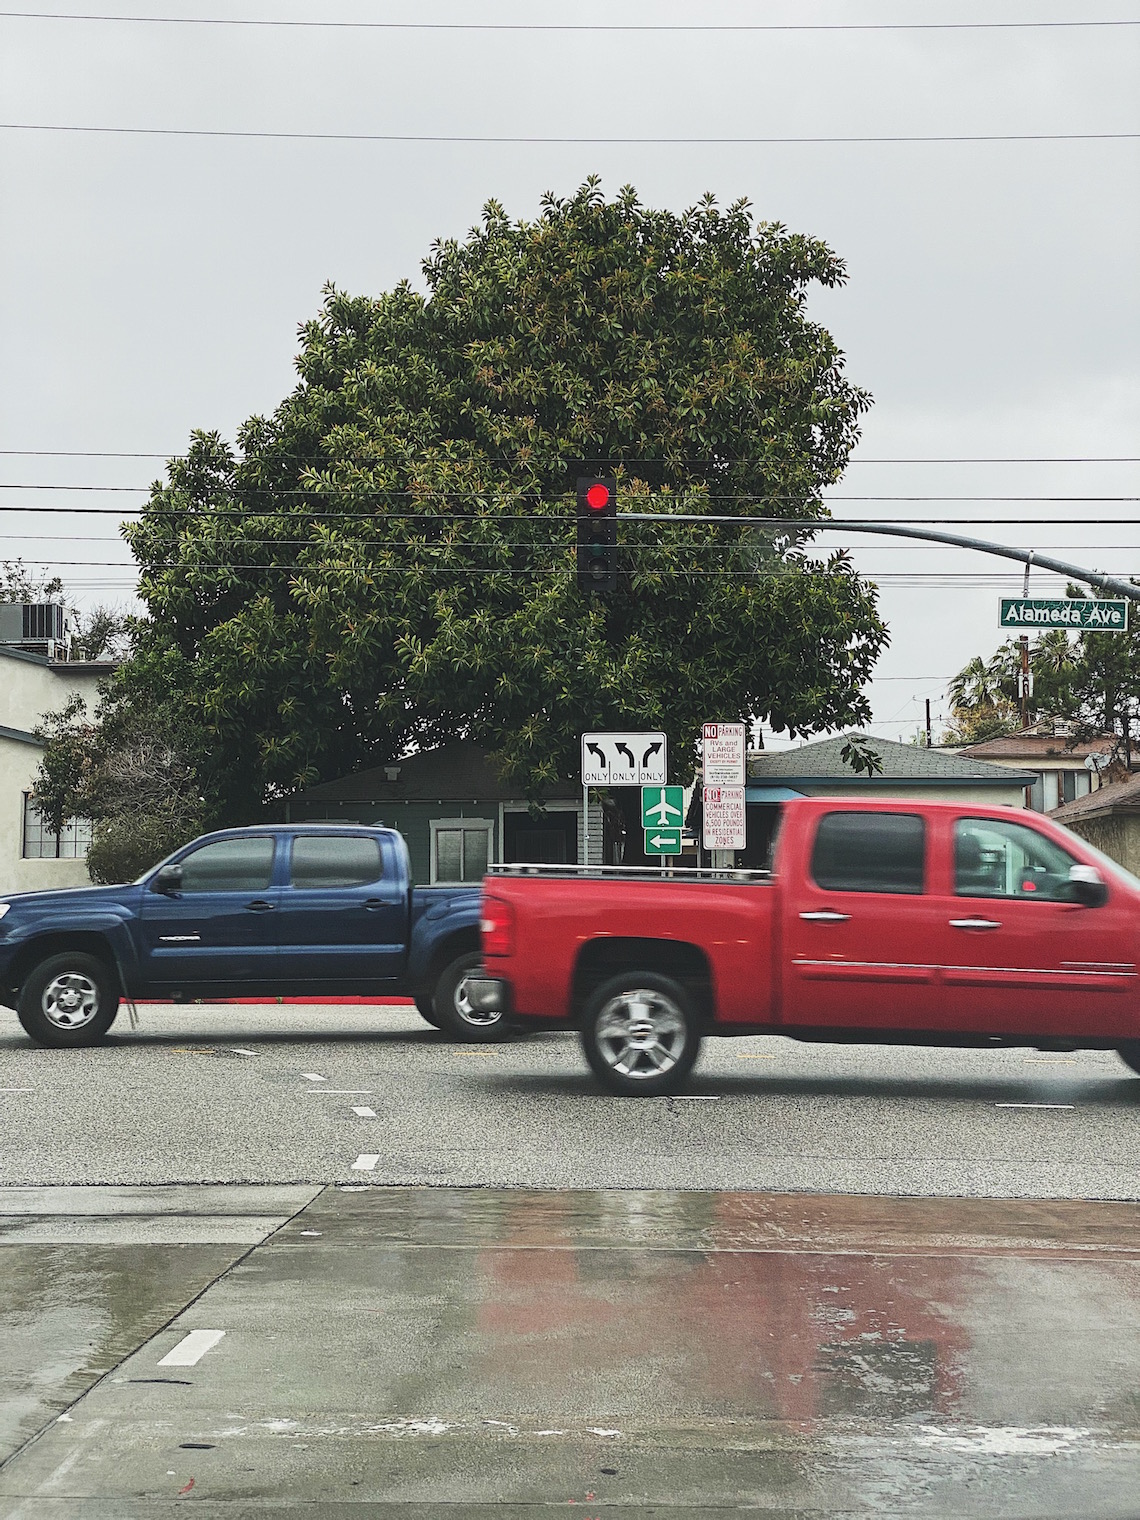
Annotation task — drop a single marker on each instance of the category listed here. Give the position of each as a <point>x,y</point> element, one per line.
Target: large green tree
<point>388,559</point>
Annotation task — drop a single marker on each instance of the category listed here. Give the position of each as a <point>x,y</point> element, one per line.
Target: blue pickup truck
<point>301,910</point>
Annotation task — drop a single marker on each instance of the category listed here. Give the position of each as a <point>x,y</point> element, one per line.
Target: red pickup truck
<point>917,923</point>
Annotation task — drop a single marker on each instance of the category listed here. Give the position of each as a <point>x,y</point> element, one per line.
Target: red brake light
<point>498,926</point>
<point>598,496</point>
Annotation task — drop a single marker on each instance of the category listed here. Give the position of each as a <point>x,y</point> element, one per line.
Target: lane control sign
<point>624,759</point>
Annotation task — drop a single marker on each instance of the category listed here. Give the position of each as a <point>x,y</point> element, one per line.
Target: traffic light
<point>597,533</point>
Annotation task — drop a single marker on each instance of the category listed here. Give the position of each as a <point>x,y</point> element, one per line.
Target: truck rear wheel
<point>641,1034</point>
<point>454,1014</point>
<point>1130,1055</point>
<point>68,1000</point>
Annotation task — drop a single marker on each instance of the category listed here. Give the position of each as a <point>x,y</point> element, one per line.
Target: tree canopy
<point>387,561</point>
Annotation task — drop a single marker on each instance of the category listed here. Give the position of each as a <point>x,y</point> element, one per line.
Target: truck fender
<point>103,934</point>
<point>438,939</point>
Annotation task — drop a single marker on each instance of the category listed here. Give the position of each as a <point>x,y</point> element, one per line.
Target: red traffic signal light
<point>597,534</point>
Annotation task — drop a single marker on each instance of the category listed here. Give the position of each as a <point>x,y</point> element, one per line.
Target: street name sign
<point>662,807</point>
<point>624,759</point>
<point>663,841</point>
<point>1098,615</point>
<point>722,746</point>
<point>724,818</point>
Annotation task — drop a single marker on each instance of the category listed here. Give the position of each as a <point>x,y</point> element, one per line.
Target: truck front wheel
<point>1130,1055</point>
<point>454,1014</point>
<point>641,1034</point>
<point>68,1000</point>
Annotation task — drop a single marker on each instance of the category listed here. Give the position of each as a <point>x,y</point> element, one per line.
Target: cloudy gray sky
<point>152,284</point>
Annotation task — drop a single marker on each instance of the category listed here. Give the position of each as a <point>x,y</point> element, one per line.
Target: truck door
<point>218,929</point>
<point>1019,955</point>
<point>343,917</point>
<point>860,925</point>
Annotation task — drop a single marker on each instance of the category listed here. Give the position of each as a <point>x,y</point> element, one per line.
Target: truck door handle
<point>974,923</point>
<point>372,903</point>
<point>826,917</point>
<point>259,905</point>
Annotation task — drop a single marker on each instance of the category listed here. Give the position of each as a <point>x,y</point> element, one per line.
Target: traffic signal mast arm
<point>893,530</point>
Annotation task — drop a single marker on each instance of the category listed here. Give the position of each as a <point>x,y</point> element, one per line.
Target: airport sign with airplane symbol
<point>662,807</point>
<point>624,759</point>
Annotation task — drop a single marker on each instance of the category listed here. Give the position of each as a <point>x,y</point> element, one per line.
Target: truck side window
<point>869,852</point>
<point>229,865</point>
<point>993,858</point>
<point>347,860</point>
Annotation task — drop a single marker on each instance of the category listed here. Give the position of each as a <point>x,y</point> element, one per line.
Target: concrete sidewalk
<point>432,1352</point>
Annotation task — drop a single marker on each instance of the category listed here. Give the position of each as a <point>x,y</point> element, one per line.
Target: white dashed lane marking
<point>313,1076</point>
<point>365,1113</point>
<point>191,1348</point>
<point>1035,1105</point>
<point>365,1163</point>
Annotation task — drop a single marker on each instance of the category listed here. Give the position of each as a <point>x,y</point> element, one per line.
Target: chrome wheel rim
<point>641,1034</point>
<point>70,1000</point>
<point>466,1009</point>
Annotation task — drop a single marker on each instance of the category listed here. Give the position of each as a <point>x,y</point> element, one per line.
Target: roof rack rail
<point>627,873</point>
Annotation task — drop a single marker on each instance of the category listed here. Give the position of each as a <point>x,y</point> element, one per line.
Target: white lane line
<point>365,1163</point>
<point>365,1113</point>
<point>342,1092</point>
<point>1035,1105</point>
<point>313,1076</point>
<point>695,1098</point>
<point>16,1089</point>
<point>191,1348</point>
<point>238,1051</point>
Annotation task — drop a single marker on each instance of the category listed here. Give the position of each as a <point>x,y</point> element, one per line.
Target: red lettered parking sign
<point>722,747</point>
<point>724,818</point>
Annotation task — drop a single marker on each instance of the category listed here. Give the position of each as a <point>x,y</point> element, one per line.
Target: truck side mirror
<point>1087,886</point>
<point>168,881</point>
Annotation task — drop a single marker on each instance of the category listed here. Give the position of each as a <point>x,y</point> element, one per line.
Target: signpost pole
<point>1025,651</point>
<point>586,825</point>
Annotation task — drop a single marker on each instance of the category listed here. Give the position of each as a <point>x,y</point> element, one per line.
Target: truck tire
<point>68,1000</point>
<point>641,1034</point>
<point>425,1007</point>
<point>1130,1055</point>
<point>454,1015</point>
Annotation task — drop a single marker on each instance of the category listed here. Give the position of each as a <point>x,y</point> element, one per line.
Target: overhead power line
<point>596,142</point>
<point>607,459</point>
<point>565,26</point>
<point>234,514</point>
<point>308,493</point>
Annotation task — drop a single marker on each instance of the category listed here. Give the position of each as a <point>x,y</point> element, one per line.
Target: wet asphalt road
<point>690,1307</point>
<point>178,1101</point>
<point>424,1353</point>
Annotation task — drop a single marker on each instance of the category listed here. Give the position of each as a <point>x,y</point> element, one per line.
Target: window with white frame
<point>460,849</point>
<point>41,842</point>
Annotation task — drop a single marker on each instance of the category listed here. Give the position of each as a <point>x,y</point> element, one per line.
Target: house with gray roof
<point>818,769</point>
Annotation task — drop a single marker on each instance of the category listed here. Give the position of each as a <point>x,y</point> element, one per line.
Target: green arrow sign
<point>1099,613</point>
<point>663,841</point>
<point>662,807</point>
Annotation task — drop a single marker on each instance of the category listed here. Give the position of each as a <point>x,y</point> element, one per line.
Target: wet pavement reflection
<point>648,1351</point>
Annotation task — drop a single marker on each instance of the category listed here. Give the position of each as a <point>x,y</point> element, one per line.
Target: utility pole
<point>1023,684</point>
<point>929,739</point>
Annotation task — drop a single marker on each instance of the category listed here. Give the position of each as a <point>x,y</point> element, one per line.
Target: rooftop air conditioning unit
<point>36,628</point>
